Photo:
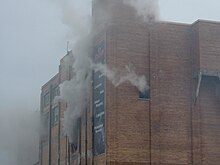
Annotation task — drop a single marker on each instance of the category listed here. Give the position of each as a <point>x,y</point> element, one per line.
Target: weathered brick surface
<point>176,133</point>
<point>127,117</point>
<point>45,157</point>
<point>173,127</point>
<point>100,159</point>
<point>54,151</point>
<point>59,142</point>
<point>63,148</point>
<point>209,45</point>
<point>170,94</point>
<point>207,136</point>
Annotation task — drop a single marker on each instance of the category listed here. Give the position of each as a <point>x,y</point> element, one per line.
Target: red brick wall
<point>170,128</point>
<point>127,117</point>
<point>45,155</point>
<point>143,131</point>
<point>170,94</point>
<point>57,141</point>
<point>209,42</point>
<point>206,144</point>
<point>166,129</point>
<point>195,50</point>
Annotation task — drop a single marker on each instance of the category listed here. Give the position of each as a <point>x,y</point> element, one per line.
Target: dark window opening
<point>145,95</point>
<point>73,148</point>
<point>76,139</point>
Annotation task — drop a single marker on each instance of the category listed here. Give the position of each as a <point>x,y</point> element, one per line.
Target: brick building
<point>54,145</point>
<point>176,124</point>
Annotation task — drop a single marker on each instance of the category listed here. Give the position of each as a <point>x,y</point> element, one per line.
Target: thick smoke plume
<point>76,91</point>
<point>148,10</point>
<point>77,16</point>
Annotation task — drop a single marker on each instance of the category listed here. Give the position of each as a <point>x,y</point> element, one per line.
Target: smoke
<point>117,78</point>
<point>148,10</point>
<point>77,16</point>
<point>19,136</point>
<point>76,91</point>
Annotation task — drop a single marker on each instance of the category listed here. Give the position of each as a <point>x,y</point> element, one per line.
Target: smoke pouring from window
<point>117,78</point>
<point>76,91</point>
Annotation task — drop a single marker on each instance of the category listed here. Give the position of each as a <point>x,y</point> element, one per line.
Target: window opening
<point>145,94</point>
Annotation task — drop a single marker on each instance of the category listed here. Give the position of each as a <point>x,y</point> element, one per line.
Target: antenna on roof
<point>67,47</point>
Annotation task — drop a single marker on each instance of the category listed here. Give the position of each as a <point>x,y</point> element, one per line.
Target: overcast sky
<point>33,39</point>
<point>188,11</point>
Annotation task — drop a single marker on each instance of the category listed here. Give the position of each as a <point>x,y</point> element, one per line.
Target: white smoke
<point>77,16</point>
<point>117,78</point>
<point>76,91</point>
<point>148,10</point>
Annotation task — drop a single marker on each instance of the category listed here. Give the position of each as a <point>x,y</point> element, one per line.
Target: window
<point>46,99</point>
<point>55,116</point>
<point>73,148</point>
<point>145,95</point>
<point>76,137</point>
<point>56,92</point>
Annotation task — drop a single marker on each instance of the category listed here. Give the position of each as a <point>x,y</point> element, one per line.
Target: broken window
<point>145,94</point>
<point>73,148</point>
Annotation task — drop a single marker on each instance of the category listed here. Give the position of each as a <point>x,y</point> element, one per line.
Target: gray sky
<point>33,39</point>
<point>188,11</point>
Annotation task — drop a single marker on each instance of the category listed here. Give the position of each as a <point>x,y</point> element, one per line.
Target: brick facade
<point>54,145</point>
<point>179,124</point>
